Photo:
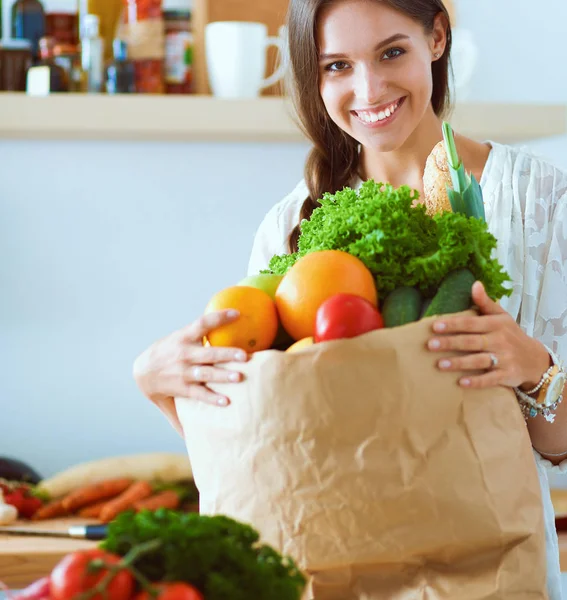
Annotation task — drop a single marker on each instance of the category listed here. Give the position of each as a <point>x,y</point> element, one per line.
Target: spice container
<point>68,56</point>
<point>143,31</point>
<point>58,80</point>
<point>178,52</point>
<point>120,73</point>
<point>15,60</point>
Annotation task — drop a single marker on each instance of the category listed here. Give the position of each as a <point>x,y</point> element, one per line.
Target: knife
<point>85,532</point>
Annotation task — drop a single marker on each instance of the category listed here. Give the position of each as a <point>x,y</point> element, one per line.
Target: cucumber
<point>454,294</point>
<point>401,306</point>
<point>425,306</point>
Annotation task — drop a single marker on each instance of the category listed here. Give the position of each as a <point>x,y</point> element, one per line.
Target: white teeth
<point>372,117</point>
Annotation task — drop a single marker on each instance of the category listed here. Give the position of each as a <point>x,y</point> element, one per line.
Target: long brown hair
<point>333,161</point>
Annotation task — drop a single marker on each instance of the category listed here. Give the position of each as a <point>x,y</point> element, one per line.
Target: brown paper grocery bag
<point>376,472</point>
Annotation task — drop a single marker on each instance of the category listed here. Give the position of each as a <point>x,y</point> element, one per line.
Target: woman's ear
<point>438,41</point>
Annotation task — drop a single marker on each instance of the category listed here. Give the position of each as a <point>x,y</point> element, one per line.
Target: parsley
<point>221,557</point>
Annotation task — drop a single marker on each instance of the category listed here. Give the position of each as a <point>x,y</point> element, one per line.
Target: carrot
<point>165,499</point>
<point>94,492</point>
<point>92,511</point>
<point>137,491</point>
<point>51,510</point>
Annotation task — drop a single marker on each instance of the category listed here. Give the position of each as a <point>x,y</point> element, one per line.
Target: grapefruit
<point>313,279</point>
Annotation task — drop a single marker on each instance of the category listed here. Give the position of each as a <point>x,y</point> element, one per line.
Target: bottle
<point>58,78</point>
<point>92,53</point>
<point>120,73</point>
<point>28,23</point>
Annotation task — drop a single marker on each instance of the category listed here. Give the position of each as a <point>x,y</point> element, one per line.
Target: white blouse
<point>526,210</point>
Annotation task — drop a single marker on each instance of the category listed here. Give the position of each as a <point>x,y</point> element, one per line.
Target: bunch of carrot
<point>104,500</point>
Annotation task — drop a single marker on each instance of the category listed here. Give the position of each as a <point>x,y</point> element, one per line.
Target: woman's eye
<point>339,65</point>
<point>393,53</point>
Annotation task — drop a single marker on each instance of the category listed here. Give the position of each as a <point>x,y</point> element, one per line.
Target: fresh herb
<point>221,557</point>
<point>394,237</point>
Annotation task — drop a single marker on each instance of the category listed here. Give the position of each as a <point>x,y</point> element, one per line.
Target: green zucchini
<point>454,294</point>
<point>401,306</point>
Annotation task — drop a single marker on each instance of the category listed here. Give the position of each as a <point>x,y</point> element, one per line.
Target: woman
<point>371,87</point>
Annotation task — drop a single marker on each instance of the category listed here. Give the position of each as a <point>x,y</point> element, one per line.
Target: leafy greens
<point>218,555</point>
<point>390,232</point>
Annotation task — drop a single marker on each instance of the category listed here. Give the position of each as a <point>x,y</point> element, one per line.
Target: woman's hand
<point>494,343</point>
<point>180,366</point>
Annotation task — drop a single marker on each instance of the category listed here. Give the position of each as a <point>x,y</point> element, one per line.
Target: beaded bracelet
<point>529,406</point>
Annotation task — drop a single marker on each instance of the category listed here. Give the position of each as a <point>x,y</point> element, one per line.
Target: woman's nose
<point>369,86</point>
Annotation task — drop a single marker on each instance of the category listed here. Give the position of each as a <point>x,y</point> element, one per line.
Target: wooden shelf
<point>203,118</point>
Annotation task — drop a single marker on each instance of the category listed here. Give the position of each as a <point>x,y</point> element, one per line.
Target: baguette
<point>436,177</point>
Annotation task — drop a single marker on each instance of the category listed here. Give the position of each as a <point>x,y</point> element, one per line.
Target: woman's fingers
<point>202,393</point>
<point>208,374</point>
<point>196,331</point>
<point>463,343</point>
<point>210,355</point>
<point>467,324</point>
<point>472,362</point>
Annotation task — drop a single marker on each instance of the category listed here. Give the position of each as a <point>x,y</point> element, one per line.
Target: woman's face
<point>375,70</point>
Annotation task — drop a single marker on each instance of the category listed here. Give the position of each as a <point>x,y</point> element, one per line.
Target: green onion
<point>466,195</point>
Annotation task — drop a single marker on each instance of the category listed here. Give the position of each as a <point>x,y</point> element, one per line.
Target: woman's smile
<point>380,116</point>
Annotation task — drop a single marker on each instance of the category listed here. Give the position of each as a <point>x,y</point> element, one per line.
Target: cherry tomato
<point>73,576</point>
<point>345,316</point>
<point>175,590</point>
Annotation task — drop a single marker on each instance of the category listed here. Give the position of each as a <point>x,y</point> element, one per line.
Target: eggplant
<point>16,470</point>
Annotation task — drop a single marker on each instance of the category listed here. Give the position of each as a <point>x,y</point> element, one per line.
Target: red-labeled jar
<point>178,52</point>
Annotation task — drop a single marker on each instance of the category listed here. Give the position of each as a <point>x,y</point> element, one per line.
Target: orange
<point>314,278</point>
<point>304,343</point>
<point>256,327</point>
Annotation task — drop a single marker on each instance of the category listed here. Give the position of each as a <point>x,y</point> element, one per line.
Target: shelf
<point>203,118</point>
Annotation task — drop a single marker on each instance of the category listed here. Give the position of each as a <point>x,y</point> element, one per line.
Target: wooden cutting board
<point>23,559</point>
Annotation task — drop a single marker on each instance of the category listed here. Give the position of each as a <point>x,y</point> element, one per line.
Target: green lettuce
<point>394,237</point>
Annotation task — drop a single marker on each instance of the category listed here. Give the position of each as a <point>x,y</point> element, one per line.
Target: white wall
<point>107,246</point>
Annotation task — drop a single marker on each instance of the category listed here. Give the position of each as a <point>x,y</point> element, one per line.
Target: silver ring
<point>494,361</point>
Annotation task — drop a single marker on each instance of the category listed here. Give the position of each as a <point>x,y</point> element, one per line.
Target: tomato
<point>345,316</point>
<point>72,576</point>
<point>21,497</point>
<point>176,590</point>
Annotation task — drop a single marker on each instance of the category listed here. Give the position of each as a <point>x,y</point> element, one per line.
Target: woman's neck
<point>405,165</point>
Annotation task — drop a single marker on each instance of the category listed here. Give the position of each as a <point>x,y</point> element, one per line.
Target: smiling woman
<point>370,82</point>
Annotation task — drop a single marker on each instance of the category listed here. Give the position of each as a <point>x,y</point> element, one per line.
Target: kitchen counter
<point>24,559</point>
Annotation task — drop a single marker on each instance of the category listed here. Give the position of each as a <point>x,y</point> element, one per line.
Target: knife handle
<point>89,532</point>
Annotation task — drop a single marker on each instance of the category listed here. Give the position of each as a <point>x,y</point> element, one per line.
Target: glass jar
<point>58,78</point>
<point>178,52</point>
<point>15,60</point>
<point>64,27</point>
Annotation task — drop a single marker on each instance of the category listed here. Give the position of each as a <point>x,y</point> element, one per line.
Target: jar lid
<point>12,44</point>
<point>177,14</point>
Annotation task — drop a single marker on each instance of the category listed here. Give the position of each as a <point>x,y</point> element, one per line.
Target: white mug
<point>236,58</point>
